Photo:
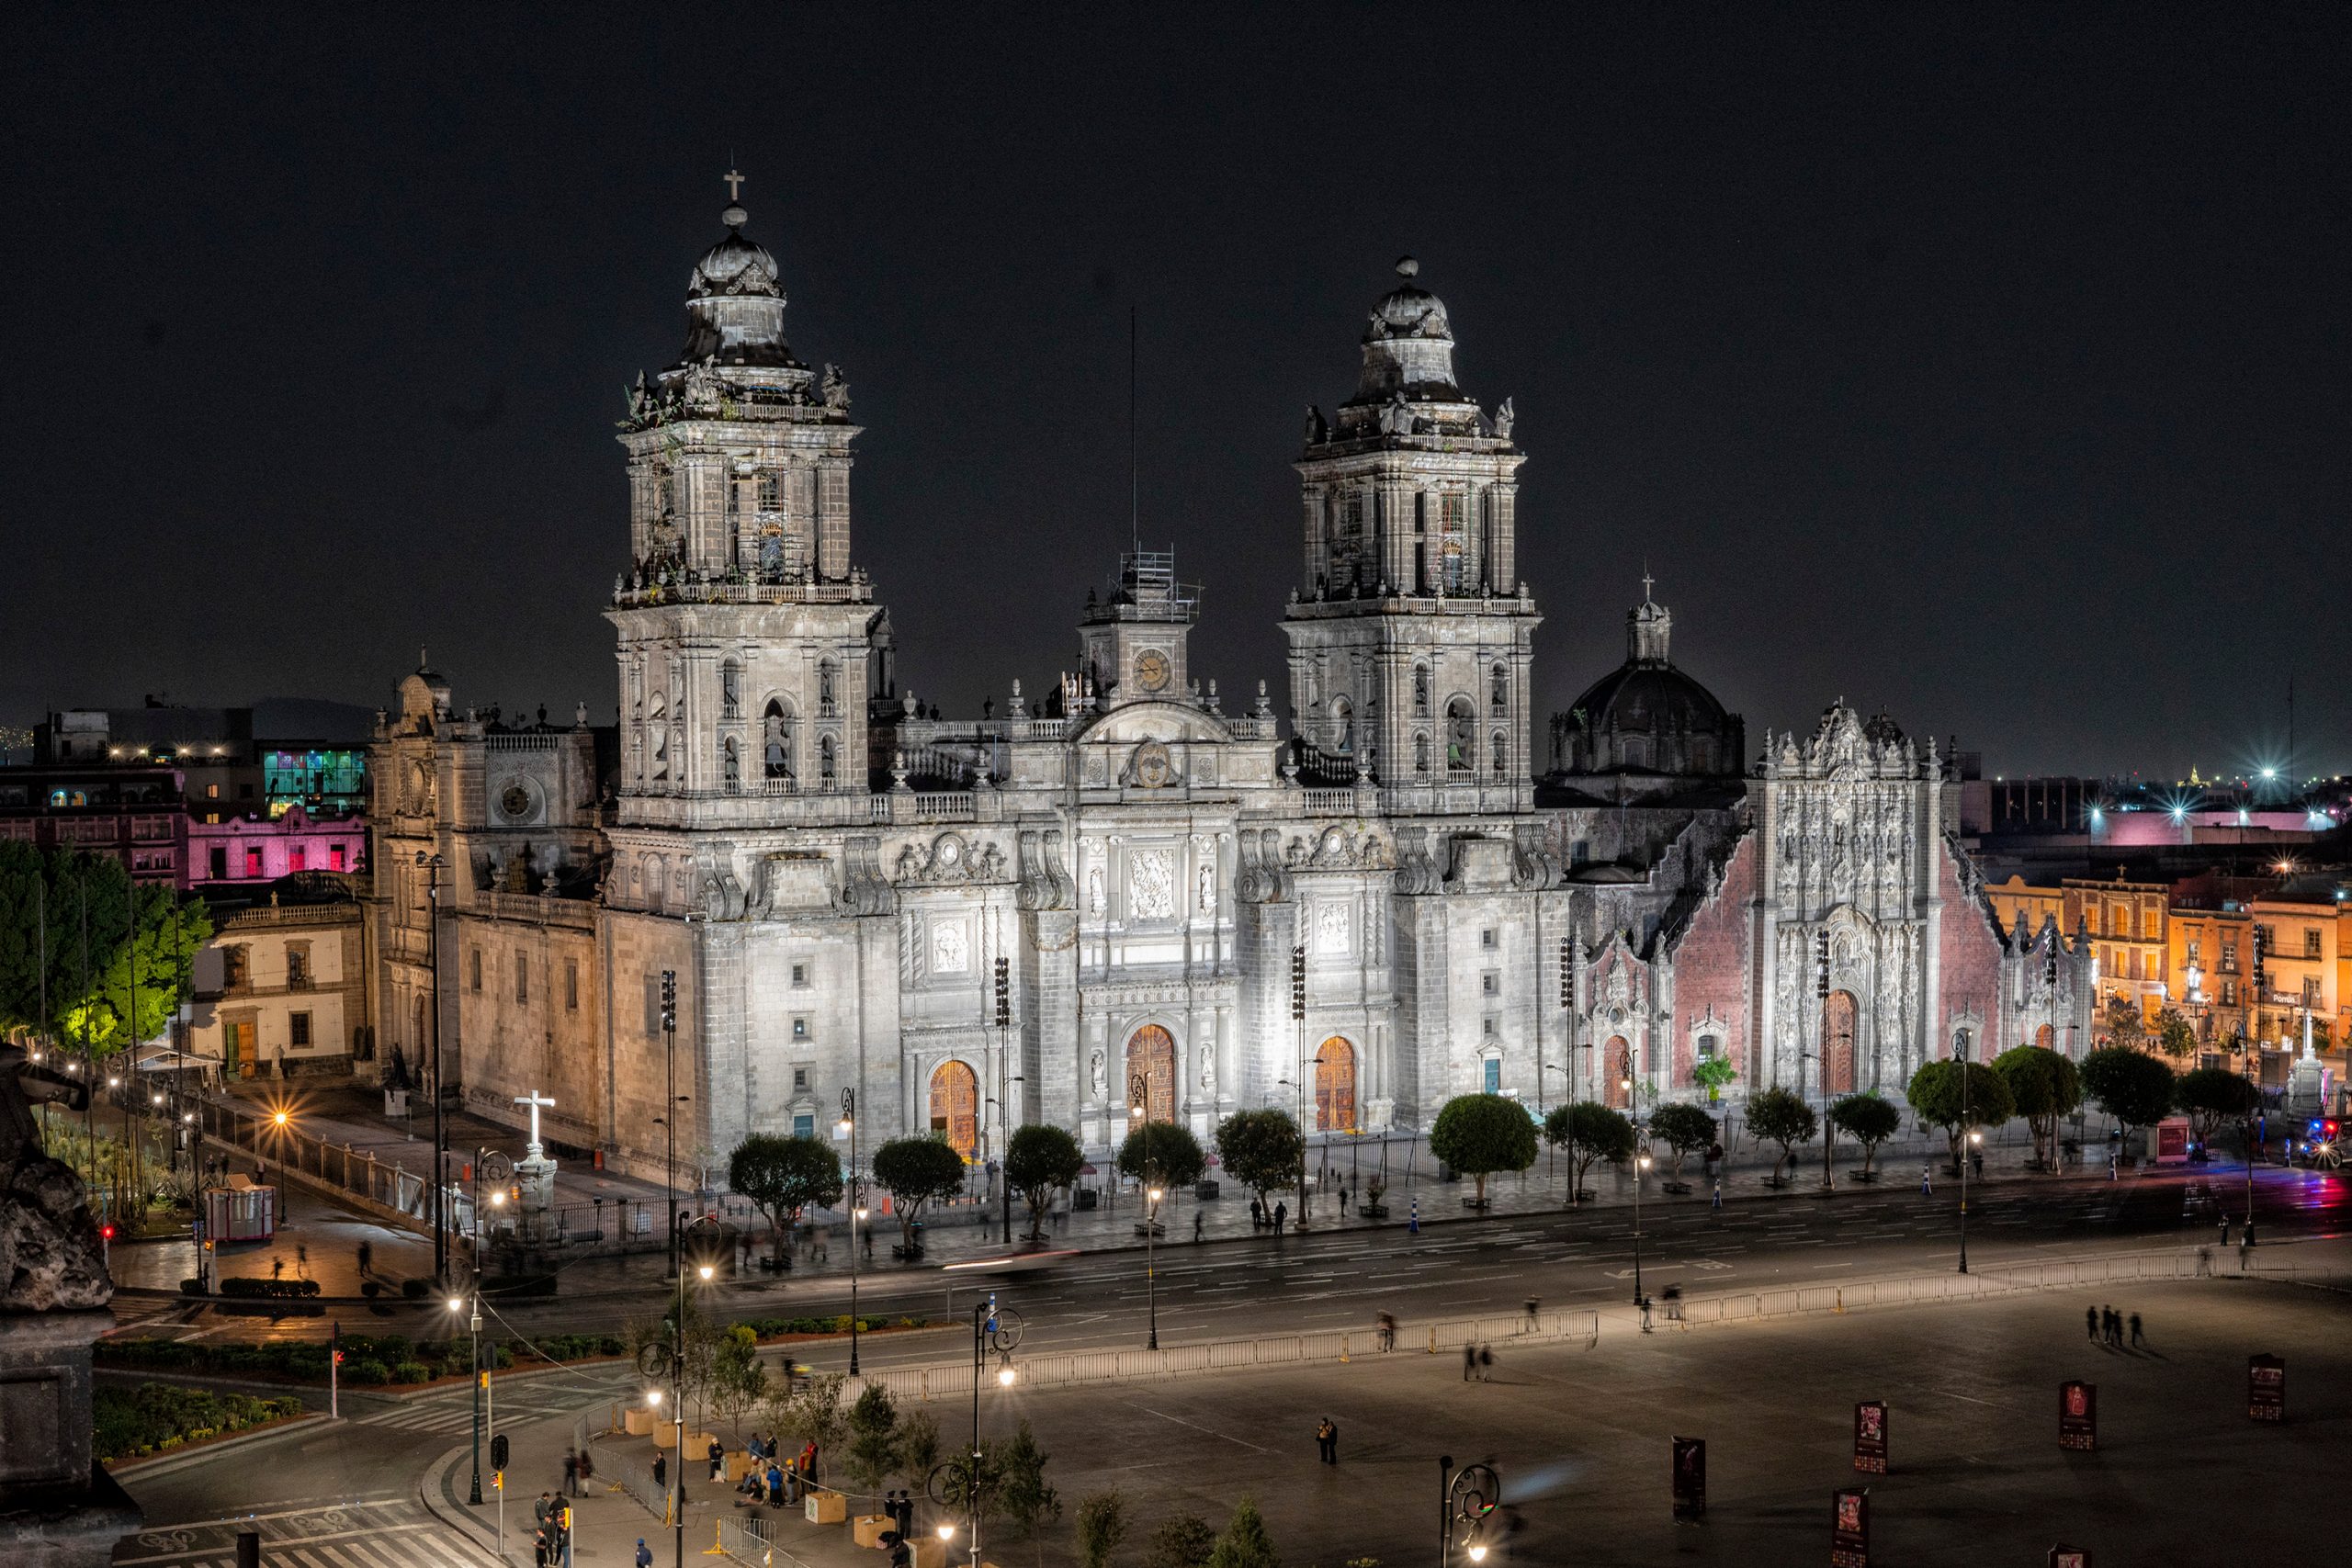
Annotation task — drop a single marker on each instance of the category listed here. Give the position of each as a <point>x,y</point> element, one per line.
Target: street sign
<point>1689,1477</point>
<point>1869,1435</point>
<point>196,1232</point>
<point>1849,1529</point>
<point>2077,1415</point>
<point>2266,1388</point>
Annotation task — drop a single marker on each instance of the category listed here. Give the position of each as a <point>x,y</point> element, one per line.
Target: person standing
<point>1200,1222</point>
<point>366,1258</point>
<point>1327,1441</point>
<point>2138,1339</point>
<point>1486,1363</point>
<point>1281,1213</point>
<point>570,1475</point>
<point>2090,1320</point>
<point>718,1456</point>
<point>644,1553</point>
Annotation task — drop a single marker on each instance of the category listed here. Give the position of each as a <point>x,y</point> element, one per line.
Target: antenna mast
<point>1134,481</point>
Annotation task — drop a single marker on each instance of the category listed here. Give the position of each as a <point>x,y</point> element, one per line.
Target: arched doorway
<point>956,1107</point>
<point>1615,1059</point>
<point>1837,1015</point>
<point>1151,1057</point>
<point>2043,1037</point>
<point>1335,1086</point>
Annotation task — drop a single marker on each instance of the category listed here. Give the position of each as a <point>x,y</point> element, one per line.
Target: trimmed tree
<point>2175,1036</point>
<point>1478,1135</point>
<point>2132,1086</point>
<point>739,1379</point>
<point>1869,1120</point>
<point>1183,1541</point>
<point>783,1176</point>
<point>1102,1526</point>
<point>1684,1129</point>
<point>1162,1154</point>
<point>1779,1117</point>
<point>1245,1543</point>
<point>873,1454</point>
<point>1028,1498</point>
<point>1038,1162</point>
<point>913,1171</point>
<point>1957,1096</point>
<point>2043,1087</point>
<point>1588,1131</point>
<point>2212,1098</point>
<point>1261,1149</point>
<point>1715,1074</point>
<point>2123,1022</point>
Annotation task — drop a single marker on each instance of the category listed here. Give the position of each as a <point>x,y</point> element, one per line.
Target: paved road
<point>388,1530</point>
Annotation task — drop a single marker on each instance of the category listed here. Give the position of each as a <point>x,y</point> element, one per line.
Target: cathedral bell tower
<point>746,634</point>
<point>1411,638</point>
<point>1132,645</point>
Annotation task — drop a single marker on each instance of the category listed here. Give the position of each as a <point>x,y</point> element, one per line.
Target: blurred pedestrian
<point>2138,1339</point>
<point>1486,1363</point>
<point>1469,1360</point>
<point>572,1475</point>
<point>366,1258</point>
<point>644,1553</point>
<point>1674,1304</point>
<point>1281,1213</point>
<point>2090,1320</point>
<point>301,1260</point>
<point>1327,1441</point>
<point>1530,1315</point>
<point>1645,1304</point>
<point>1200,1222</point>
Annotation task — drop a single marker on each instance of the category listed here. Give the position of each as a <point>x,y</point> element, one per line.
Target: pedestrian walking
<point>276,1266</point>
<point>824,1241</point>
<point>1282,1212</point>
<point>1674,1304</point>
<point>572,1474</point>
<point>1528,1314</point>
<point>1719,1195</point>
<point>2204,1262</point>
<point>1200,1222</point>
<point>301,1260</point>
<point>2090,1320</point>
<point>718,1456</point>
<point>1928,1180</point>
<point>1327,1441</point>
<point>1977,1157</point>
<point>2112,1321</point>
<point>644,1553</point>
<point>1645,1314</point>
<point>661,1470</point>
<point>869,1244</point>
<point>1486,1363</point>
<point>2138,1339</point>
<point>1388,1331</point>
<point>1469,1360</point>
<point>367,1259</point>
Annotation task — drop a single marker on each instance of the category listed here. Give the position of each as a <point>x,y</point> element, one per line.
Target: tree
<point>2175,1036</point>
<point>918,1446</point>
<point>1261,1150</point>
<point>1027,1499</point>
<point>2133,1086</point>
<point>781,1177</point>
<point>1183,1541</point>
<point>2123,1022</point>
<point>74,910</point>
<point>1588,1131</point>
<point>1038,1162</point>
<point>1869,1120</point>
<point>1245,1543</point>
<point>1478,1135</point>
<point>873,1453</point>
<point>1714,1073</point>
<point>2043,1087</point>
<point>739,1379</point>
<point>913,1171</point>
<point>2212,1098</point>
<point>1162,1154</point>
<point>812,1413</point>
<point>1683,1129</point>
<point>974,1484</point>
<point>1957,1096</point>
<point>1102,1526</point>
<point>1779,1117</point>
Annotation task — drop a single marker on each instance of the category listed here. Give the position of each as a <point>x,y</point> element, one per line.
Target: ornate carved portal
<point>1837,1014</point>
<point>1335,1086</point>
<point>1151,1057</point>
<point>1615,1058</point>
<point>956,1107</point>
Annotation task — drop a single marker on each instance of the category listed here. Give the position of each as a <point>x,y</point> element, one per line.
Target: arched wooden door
<point>1837,1016</point>
<point>1615,1058</point>
<point>2043,1037</point>
<point>1335,1086</point>
<point>1151,1057</point>
<point>956,1107</point>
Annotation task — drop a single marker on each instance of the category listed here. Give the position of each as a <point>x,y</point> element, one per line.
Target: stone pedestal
<point>534,1175</point>
<point>57,1508</point>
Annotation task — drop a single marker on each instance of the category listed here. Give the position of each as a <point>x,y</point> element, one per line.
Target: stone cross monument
<point>535,1173</point>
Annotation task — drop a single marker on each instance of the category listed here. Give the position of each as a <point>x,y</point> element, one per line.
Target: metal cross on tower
<point>734,186</point>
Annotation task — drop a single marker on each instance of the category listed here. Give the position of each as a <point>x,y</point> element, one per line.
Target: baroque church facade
<point>1123,898</point>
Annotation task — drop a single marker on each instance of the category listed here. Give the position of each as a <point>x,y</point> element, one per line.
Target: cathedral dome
<point>734,305</point>
<point>1647,716</point>
<point>1409,310</point>
<point>1408,345</point>
<point>734,266</point>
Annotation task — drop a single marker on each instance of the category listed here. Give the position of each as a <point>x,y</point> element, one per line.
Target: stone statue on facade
<point>835,389</point>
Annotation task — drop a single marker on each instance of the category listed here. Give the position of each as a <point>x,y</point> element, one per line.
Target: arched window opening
<point>731,690</point>
<point>1421,755</point>
<point>827,770</point>
<point>1420,690</point>
<point>731,764</point>
<point>1499,697</point>
<point>775,741</point>
<point>1500,749</point>
<point>1461,743</point>
<point>829,677</point>
<point>1344,726</point>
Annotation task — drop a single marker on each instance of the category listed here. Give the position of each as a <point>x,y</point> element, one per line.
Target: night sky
<point>1988,365</point>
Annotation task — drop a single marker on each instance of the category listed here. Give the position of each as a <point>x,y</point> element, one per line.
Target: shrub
<point>414,1290</point>
<point>412,1371</point>
<point>236,1285</point>
<point>365,1369</point>
<point>127,1423</point>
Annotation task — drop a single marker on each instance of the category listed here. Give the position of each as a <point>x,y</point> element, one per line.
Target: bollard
<point>1343,1347</point>
<point>1840,1307</point>
<point>1432,1342</point>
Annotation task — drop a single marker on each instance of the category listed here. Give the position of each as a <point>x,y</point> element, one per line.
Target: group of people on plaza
<point>2105,1326</point>
<point>773,1477</point>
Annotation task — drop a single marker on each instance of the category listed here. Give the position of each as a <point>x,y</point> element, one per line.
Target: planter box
<point>867,1528</point>
<point>665,1436</point>
<point>1085,1198</point>
<point>823,1507</point>
<point>1674,1188</point>
<point>1372,1210</point>
<point>929,1551</point>
<point>637,1421</point>
<point>741,1464</point>
<point>1474,1203</point>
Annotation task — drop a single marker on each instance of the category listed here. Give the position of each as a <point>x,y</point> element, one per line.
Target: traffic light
<point>1298,985</point>
<point>106,1232</point>
<point>498,1450</point>
<point>334,1343</point>
<point>1003,993</point>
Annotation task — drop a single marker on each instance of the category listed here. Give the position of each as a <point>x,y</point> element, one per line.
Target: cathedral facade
<point>1123,898</point>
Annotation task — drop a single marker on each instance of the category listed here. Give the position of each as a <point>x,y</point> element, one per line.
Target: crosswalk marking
<point>369,1533</point>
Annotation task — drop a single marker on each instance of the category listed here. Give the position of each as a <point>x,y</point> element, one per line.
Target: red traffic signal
<point>106,1232</point>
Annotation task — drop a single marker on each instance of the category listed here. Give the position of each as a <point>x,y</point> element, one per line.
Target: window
<point>220,864</point>
<point>1486,939</point>
<point>731,763</point>
<point>2229,993</point>
<point>1710,1047</point>
<point>335,858</point>
<point>572,984</point>
<point>799,1075</point>
<point>800,977</point>
<point>803,1124</point>
<point>236,965</point>
<point>1500,749</point>
<point>800,1026</point>
<point>1421,755</point>
<point>476,957</point>
<point>522,979</point>
<point>213,792</point>
<point>828,691</point>
<point>1499,695</point>
<point>1420,690</point>
<point>2310,943</point>
<point>771,492</point>
<point>825,769</point>
<point>1490,983</point>
<point>1461,745</point>
<point>1487,1027</point>
<point>2310,991</point>
<point>298,1027</point>
<point>1343,727</point>
<point>298,967</point>
<point>297,858</point>
<point>2193,946</point>
<point>730,691</point>
<point>253,862</point>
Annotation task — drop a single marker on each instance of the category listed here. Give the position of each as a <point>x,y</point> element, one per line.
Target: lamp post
<point>1466,1496</point>
<point>432,868</point>
<point>670,1121</point>
<point>1138,1089</point>
<point>849,1131</point>
<point>1960,1049</point>
<point>991,1332</point>
<point>458,1304</point>
<point>1641,1161</point>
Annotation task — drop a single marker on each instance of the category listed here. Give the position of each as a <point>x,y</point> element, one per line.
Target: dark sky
<point>1985,365</point>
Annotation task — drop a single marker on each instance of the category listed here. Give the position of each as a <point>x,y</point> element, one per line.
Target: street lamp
<point>456,1305</point>
<point>1139,1092</point>
<point>1960,1052</point>
<point>992,1332</point>
<point>1466,1496</point>
<point>1641,1158</point>
<point>430,863</point>
<point>848,1129</point>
